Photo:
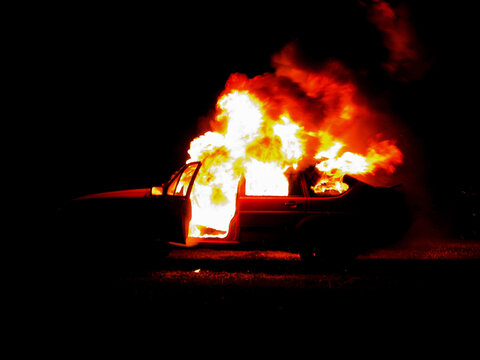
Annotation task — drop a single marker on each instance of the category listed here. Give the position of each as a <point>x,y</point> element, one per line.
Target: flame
<point>265,178</point>
<point>333,167</point>
<point>271,123</point>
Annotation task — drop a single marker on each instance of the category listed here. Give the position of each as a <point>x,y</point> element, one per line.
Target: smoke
<point>406,61</point>
<point>330,111</point>
<point>325,101</point>
<point>328,86</point>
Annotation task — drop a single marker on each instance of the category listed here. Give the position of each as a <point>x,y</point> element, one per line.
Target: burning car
<point>324,225</point>
<point>281,165</point>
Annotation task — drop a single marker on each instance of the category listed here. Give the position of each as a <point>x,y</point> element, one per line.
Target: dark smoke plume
<point>406,61</point>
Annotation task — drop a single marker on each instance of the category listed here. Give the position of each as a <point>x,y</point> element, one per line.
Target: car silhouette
<point>328,226</point>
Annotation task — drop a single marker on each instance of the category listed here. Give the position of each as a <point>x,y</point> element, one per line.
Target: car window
<point>182,186</point>
<point>173,184</point>
<point>314,182</point>
<point>180,182</point>
<point>294,185</point>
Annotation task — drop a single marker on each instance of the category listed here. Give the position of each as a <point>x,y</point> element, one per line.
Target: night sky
<point>122,89</point>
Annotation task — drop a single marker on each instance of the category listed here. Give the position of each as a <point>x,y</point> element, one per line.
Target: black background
<point>119,91</point>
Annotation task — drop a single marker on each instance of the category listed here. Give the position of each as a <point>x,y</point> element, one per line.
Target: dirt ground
<point>433,276</point>
<point>205,292</point>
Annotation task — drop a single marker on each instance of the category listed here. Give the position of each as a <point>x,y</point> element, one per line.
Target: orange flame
<point>296,118</point>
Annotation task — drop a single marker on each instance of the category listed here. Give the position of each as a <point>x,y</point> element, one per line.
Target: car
<point>320,226</point>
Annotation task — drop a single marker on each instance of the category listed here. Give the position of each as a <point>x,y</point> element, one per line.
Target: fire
<point>333,167</point>
<point>265,178</point>
<point>274,123</point>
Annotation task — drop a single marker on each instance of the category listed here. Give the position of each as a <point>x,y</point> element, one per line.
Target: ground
<point>437,277</point>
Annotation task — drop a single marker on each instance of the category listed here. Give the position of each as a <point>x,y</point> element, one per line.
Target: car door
<point>269,217</point>
<point>179,209</point>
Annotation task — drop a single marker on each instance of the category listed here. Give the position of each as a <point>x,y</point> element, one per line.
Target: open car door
<point>177,196</point>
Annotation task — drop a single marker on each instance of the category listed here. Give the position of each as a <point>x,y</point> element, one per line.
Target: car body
<point>329,224</point>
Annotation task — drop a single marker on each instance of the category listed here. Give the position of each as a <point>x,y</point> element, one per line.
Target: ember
<point>271,123</point>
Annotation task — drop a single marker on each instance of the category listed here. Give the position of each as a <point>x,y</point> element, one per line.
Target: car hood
<point>120,194</point>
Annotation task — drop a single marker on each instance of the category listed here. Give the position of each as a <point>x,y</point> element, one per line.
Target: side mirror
<point>157,190</point>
